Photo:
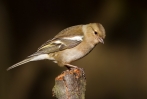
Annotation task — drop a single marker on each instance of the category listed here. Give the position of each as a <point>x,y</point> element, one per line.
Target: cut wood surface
<point>71,84</point>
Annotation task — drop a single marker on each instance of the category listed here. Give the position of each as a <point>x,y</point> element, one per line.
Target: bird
<point>69,45</point>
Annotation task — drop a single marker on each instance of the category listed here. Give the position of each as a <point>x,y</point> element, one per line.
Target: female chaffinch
<point>68,45</point>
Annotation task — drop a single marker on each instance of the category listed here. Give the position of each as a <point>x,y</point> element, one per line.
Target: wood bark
<point>71,84</point>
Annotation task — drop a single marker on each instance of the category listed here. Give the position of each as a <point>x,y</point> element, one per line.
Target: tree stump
<point>71,84</point>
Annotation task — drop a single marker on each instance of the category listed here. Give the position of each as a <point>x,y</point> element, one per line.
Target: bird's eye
<point>95,32</point>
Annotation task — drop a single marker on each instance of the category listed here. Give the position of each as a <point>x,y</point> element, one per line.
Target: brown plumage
<point>69,45</point>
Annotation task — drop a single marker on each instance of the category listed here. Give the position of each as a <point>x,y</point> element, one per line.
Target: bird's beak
<point>101,40</point>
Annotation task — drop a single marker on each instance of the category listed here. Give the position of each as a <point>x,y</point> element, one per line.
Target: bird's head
<point>94,32</point>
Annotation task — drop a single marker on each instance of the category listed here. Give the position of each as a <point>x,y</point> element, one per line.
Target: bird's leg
<point>69,66</point>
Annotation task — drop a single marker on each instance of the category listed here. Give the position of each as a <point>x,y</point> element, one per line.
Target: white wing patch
<point>58,42</point>
<point>77,38</point>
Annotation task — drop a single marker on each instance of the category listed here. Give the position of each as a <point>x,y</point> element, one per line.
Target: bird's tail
<point>30,58</point>
<point>20,63</point>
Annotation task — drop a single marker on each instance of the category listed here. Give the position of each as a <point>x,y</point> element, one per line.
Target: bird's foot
<point>69,66</point>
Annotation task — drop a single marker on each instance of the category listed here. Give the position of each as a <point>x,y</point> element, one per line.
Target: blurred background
<point>115,70</point>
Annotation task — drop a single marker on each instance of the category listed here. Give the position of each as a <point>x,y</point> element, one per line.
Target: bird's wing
<point>66,39</point>
<point>58,44</point>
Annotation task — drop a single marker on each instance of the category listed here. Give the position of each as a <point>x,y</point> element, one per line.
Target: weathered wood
<point>71,84</point>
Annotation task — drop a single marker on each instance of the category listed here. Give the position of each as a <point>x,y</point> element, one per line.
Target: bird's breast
<point>69,55</point>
